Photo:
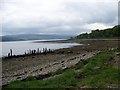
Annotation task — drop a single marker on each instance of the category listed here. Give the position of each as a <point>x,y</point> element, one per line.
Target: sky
<point>56,16</point>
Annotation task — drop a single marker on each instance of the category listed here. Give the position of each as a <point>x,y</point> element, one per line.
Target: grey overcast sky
<point>57,16</point>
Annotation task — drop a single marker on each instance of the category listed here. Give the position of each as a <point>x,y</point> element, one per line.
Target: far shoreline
<point>81,42</point>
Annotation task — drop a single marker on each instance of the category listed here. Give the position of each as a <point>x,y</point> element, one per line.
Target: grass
<point>59,71</point>
<point>93,73</point>
<point>66,79</point>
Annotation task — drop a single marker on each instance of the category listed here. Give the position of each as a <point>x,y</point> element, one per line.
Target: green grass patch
<point>59,71</point>
<point>65,80</point>
<point>92,73</point>
<point>104,79</point>
<point>98,74</point>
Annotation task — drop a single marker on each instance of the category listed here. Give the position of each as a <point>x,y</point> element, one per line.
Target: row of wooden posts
<point>31,52</point>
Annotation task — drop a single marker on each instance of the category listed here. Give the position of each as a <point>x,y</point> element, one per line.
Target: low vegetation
<point>105,33</point>
<point>96,72</point>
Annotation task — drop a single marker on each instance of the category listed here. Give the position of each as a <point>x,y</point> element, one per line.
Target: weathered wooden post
<point>8,54</point>
<point>11,52</point>
<point>43,50</point>
<point>34,52</point>
<point>38,50</point>
<point>49,50</point>
<point>25,53</point>
<point>30,51</point>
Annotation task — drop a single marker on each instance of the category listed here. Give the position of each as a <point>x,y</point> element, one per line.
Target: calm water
<point>19,47</point>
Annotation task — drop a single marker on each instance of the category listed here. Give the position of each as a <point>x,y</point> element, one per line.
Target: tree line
<point>105,33</point>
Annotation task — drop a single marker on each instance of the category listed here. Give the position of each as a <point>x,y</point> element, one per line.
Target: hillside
<point>105,33</point>
<point>23,37</point>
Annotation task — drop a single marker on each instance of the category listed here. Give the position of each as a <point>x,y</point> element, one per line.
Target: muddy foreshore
<point>19,68</point>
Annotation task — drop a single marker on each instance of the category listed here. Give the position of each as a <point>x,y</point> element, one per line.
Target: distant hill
<point>105,33</point>
<point>23,37</point>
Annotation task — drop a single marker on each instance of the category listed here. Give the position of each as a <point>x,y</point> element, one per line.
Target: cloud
<point>56,16</point>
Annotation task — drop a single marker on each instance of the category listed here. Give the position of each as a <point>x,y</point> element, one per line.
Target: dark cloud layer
<point>63,17</point>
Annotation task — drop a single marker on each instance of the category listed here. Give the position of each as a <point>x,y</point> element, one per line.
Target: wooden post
<point>8,54</point>
<point>25,53</point>
<point>38,51</point>
<point>11,52</point>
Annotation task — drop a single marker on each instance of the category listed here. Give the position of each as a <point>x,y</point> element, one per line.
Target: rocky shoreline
<point>19,68</point>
